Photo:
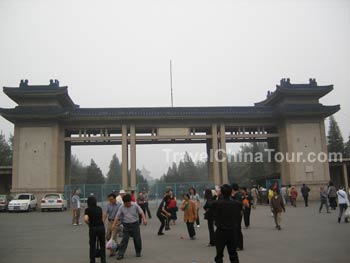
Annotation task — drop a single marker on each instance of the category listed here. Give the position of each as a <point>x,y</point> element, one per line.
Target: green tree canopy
<point>5,150</point>
<point>94,174</point>
<point>335,139</point>
<point>114,175</point>
<point>77,171</point>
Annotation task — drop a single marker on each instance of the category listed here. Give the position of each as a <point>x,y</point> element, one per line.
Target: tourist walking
<point>172,208</point>
<point>305,193</point>
<point>128,214</point>
<point>255,195</point>
<point>190,215</point>
<point>332,195</point>
<point>120,196</point>
<point>209,216</point>
<point>247,202</point>
<point>236,195</point>
<point>194,196</point>
<point>324,199</point>
<point>163,215</point>
<point>294,195</point>
<point>284,194</point>
<point>277,208</point>
<point>145,199</point>
<point>343,202</point>
<point>93,218</point>
<point>109,216</point>
<point>141,202</point>
<point>227,217</point>
<point>76,206</point>
<point>289,192</point>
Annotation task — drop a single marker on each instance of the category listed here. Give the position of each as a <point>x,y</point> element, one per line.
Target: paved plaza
<point>307,236</point>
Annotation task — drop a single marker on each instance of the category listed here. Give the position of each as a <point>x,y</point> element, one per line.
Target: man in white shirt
<point>343,202</point>
<point>120,196</point>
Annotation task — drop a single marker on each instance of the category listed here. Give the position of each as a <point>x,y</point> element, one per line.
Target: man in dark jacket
<point>305,192</point>
<point>227,216</point>
<point>237,196</point>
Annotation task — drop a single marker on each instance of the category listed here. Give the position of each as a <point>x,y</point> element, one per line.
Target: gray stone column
<point>345,175</point>
<point>67,163</point>
<point>124,156</point>
<point>209,163</point>
<point>132,157</point>
<point>214,157</point>
<point>223,156</point>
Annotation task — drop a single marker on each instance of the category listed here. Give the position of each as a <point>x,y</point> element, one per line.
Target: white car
<point>53,201</point>
<point>23,202</point>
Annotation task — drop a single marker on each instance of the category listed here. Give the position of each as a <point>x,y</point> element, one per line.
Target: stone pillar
<point>209,163</point>
<point>124,156</point>
<point>132,157</point>
<point>345,175</point>
<point>67,164</point>
<point>223,162</point>
<point>214,157</point>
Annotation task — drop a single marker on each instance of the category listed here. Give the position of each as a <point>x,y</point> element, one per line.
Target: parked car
<point>53,201</point>
<point>23,202</point>
<point>4,202</point>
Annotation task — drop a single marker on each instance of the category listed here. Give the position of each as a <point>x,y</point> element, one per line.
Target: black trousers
<point>133,230</point>
<point>239,235</point>
<point>226,238</point>
<point>190,229</point>
<point>163,222</point>
<point>147,210</point>
<point>97,233</point>
<point>211,232</point>
<point>332,202</point>
<point>306,200</point>
<point>246,216</point>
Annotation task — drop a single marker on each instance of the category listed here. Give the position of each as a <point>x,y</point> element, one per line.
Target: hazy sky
<point>116,53</point>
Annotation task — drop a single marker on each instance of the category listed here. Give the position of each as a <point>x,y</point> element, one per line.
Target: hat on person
<point>121,192</point>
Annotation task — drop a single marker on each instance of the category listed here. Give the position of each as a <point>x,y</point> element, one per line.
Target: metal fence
<point>155,191</point>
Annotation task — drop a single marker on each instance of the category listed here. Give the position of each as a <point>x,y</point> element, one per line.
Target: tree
<point>77,171</point>
<point>335,139</point>
<point>141,181</point>
<point>5,151</point>
<point>114,175</point>
<point>94,174</point>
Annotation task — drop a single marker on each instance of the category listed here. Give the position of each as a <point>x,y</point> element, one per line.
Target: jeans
<point>97,233</point>
<point>226,238</point>
<point>132,229</point>
<point>147,210</point>
<point>324,202</point>
<point>342,208</point>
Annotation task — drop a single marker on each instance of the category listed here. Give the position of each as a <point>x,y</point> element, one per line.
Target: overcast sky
<point>116,53</point>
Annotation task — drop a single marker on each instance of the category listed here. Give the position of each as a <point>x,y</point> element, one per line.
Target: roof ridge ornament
<point>24,83</point>
<point>285,83</point>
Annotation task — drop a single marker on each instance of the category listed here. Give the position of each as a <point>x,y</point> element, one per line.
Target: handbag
<point>347,212</point>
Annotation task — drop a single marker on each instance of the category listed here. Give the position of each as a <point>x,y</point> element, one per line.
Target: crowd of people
<point>224,208</point>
